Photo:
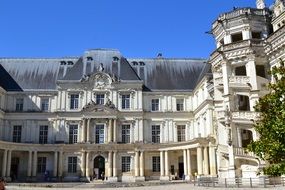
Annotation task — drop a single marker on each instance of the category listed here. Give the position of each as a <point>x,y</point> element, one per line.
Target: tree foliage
<point>271,125</point>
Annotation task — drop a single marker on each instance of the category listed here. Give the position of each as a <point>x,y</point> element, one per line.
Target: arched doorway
<point>99,167</point>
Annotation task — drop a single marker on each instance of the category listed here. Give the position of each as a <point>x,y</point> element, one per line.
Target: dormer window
<point>115,59</point>
<point>142,63</point>
<point>62,62</point>
<point>135,63</point>
<point>70,63</point>
<point>89,58</point>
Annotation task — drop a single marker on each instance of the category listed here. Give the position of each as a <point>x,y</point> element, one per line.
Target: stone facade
<point>100,114</point>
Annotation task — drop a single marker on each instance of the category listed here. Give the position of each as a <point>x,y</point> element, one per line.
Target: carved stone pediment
<point>93,107</point>
<point>100,80</point>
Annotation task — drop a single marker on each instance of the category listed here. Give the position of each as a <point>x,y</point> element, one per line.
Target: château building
<point>74,118</point>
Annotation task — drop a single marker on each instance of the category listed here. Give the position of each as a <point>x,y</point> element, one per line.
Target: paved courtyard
<point>180,186</point>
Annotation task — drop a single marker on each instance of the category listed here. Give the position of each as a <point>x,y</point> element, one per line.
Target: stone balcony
<point>242,152</point>
<point>234,82</point>
<point>246,117</point>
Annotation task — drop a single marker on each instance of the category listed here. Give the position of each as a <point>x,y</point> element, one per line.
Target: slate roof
<point>158,73</point>
<point>173,74</point>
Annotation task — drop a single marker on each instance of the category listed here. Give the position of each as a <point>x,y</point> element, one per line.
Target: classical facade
<point>104,115</point>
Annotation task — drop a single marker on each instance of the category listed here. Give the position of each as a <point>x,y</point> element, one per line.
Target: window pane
<point>126,133</point>
<point>100,99</point>
<point>155,104</point>
<point>17,132</point>
<point>181,133</point>
<point>99,134</point>
<point>73,133</point>
<point>43,136</point>
<point>19,104</point>
<point>126,164</point>
<point>155,134</point>
<point>156,164</point>
<point>74,101</point>
<point>179,104</point>
<point>44,104</point>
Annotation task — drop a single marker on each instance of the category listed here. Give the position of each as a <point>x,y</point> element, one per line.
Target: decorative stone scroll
<point>93,107</point>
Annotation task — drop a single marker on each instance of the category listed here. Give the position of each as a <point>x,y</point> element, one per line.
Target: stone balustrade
<point>243,152</point>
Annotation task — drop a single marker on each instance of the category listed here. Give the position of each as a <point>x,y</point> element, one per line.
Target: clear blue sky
<point>138,28</point>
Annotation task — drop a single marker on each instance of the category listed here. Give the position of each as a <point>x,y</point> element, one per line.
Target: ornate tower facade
<point>239,67</point>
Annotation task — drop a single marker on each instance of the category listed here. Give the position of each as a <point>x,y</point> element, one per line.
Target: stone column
<point>83,164</point>
<point>137,163</point>
<point>161,163</point>
<point>185,162</point>
<point>88,130</point>
<point>115,131</point>
<point>189,169</point>
<point>251,73</point>
<point>87,165</point>
<point>60,159</point>
<point>166,164</point>
<point>110,160</point>
<point>9,163</point>
<point>239,137</point>
<point>212,156</point>
<point>4,163</point>
<point>35,163</point>
<point>115,164</point>
<point>83,137</point>
<point>55,164</point>
<point>206,161</point>
<point>199,161</point>
<point>29,171</point>
<point>142,164</point>
<point>110,131</point>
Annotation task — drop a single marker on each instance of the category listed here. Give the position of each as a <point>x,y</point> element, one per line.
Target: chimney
<point>260,4</point>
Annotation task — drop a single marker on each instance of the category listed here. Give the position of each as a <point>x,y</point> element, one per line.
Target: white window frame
<point>155,133</point>
<point>126,163</point>
<point>17,133</point>
<point>43,134</point>
<point>45,104</point>
<point>72,164</point>
<point>74,101</point>
<point>73,134</point>
<point>19,104</point>
<point>155,102</point>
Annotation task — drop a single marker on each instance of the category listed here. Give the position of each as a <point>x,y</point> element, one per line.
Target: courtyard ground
<point>171,186</point>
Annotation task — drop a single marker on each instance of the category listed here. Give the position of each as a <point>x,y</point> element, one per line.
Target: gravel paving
<point>173,186</point>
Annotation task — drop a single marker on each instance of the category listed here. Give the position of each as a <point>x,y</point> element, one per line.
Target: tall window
<point>126,101</point>
<point>181,133</point>
<point>156,164</point>
<point>43,137</point>
<point>74,101</point>
<point>72,164</point>
<point>19,104</point>
<point>99,134</point>
<point>73,133</point>
<point>155,105</point>
<point>42,163</point>
<point>44,104</point>
<point>100,99</point>
<point>17,132</point>
<point>179,104</point>
<point>125,133</point>
<point>126,164</point>
<point>155,130</point>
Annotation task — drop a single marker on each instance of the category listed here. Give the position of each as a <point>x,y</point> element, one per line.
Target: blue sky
<point>138,28</point>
